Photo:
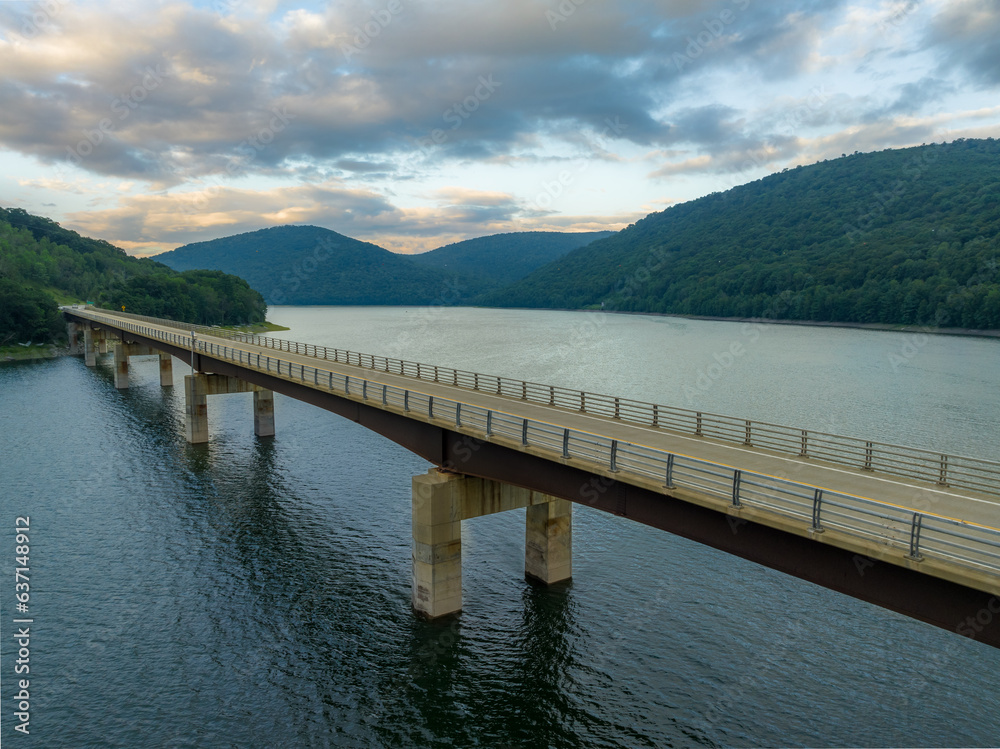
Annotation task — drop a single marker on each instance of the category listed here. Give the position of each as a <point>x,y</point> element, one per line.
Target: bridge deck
<point>979,513</point>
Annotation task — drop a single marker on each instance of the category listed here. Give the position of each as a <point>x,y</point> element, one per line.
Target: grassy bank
<point>34,351</point>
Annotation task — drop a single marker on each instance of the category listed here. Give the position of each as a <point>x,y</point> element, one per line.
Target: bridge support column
<point>442,500</point>
<point>548,541</point>
<point>166,370</point>
<point>196,408</point>
<point>121,366</point>
<point>263,413</point>
<point>89,352</point>
<point>72,332</point>
<point>437,543</point>
<point>122,352</point>
<point>199,386</point>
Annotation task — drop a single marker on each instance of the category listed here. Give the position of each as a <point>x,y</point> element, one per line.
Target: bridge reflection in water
<point>911,530</point>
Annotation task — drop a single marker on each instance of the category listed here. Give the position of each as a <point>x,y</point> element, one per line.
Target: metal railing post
<point>737,474</point>
<point>817,502</point>
<point>613,463</point>
<point>668,479</point>
<point>565,445</point>
<point>915,538</point>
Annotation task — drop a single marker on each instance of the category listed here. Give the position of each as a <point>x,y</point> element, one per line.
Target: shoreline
<point>44,351</point>
<point>896,328</point>
<point>33,353</point>
<point>891,327</point>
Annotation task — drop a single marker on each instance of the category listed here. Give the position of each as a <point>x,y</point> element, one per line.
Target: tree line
<point>43,264</point>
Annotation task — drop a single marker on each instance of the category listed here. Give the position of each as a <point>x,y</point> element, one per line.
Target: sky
<point>413,124</point>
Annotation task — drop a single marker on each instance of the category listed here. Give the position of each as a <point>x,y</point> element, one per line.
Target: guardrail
<point>915,536</point>
<point>974,474</point>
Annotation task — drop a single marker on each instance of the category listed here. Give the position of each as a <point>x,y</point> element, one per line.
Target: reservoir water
<point>256,592</point>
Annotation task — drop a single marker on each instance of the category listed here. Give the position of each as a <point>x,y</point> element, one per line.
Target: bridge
<point>911,530</point>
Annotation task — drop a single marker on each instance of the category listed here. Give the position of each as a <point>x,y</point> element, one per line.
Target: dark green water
<point>256,593</point>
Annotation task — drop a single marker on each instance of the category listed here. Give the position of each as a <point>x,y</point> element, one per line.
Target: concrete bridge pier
<point>122,352</point>
<point>263,413</point>
<point>73,333</point>
<point>89,350</point>
<point>166,370</point>
<point>199,386</point>
<point>442,500</point>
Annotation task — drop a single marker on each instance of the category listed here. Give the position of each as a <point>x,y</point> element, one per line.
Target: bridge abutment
<point>199,386</point>
<point>442,500</point>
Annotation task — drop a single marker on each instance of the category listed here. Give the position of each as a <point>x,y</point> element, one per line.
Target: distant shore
<point>36,352</point>
<point>33,352</point>
<point>925,329</point>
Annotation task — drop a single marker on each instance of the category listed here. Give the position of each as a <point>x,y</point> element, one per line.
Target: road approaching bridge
<point>915,531</point>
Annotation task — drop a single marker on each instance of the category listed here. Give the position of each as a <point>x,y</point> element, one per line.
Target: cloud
<point>148,224</point>
<point>377,118</point>
<point>966,32</point>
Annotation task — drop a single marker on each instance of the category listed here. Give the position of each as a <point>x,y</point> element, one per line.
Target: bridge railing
<point>942,469</point>
<point>897,531</point>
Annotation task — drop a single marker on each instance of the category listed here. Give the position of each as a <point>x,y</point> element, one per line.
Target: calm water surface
<point>256,593</point>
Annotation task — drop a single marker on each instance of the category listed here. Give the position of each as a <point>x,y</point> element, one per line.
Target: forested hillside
<point>312,265</point>
<point>501,259</point>
<point>899,236</point>
<point>42,264</point>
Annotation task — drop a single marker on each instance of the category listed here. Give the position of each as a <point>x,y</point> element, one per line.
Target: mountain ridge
<point>900,236</point>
